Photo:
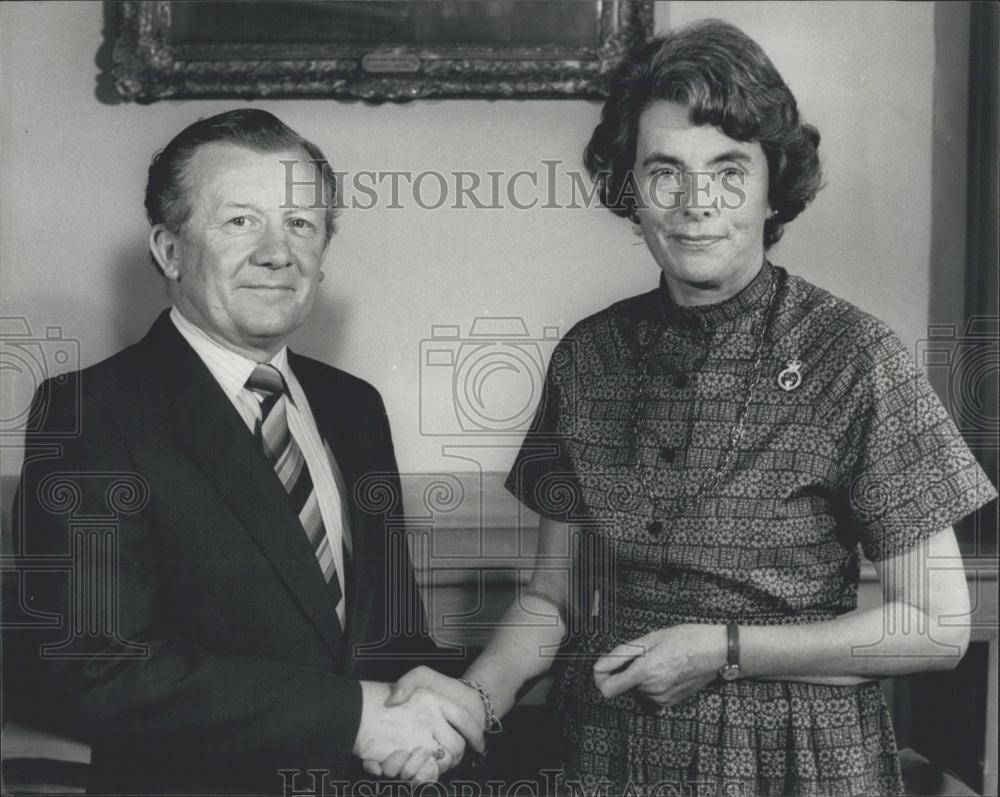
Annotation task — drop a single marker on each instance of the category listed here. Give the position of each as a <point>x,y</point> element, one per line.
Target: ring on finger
<point>440,753</point>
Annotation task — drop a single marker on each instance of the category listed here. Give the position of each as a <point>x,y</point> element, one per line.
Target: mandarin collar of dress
<point>663,312</point>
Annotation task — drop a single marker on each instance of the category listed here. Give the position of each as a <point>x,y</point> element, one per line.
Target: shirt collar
<point>753,298</point>
<point>231,370</point>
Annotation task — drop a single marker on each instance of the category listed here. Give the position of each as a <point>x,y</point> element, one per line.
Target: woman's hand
<point>417,766</point>
<point>416,741</point>
<point>450,688</point>
<point>665,666</point>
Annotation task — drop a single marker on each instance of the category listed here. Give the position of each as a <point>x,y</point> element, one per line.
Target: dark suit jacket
<point>196,641</point>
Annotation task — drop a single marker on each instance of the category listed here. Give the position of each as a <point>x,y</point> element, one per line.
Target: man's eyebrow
<point>299,208</point>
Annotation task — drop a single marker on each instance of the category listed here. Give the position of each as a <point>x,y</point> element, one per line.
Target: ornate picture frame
<point>495,49</point>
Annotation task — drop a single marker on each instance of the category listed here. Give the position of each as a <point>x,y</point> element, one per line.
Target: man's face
<point>705,198</point>
<point>246,263</point>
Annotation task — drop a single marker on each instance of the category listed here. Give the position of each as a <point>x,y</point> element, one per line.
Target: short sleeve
<point>543,476</point>
<point>908,471</point>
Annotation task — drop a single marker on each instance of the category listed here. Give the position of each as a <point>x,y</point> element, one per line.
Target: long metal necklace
<point>711,482</point>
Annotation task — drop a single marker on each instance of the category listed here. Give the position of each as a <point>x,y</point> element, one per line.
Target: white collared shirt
<point>231,371</point>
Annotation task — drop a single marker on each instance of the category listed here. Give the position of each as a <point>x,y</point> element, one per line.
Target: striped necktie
<point>285,456</point>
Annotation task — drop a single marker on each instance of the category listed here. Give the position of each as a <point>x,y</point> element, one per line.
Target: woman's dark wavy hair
<point>727,81</point>
<point>166,190</point>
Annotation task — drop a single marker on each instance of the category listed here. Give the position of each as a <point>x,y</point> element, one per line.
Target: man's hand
<point>400,741</point>
<point>665,666</point>
<point>451,688</point>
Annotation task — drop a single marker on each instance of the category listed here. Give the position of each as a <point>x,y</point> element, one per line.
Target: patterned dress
<point>638,407</point>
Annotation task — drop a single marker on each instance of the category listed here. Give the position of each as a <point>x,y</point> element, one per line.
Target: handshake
<point>417,729</point>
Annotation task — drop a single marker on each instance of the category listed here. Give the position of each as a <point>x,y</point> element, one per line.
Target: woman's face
<point>702,204</point>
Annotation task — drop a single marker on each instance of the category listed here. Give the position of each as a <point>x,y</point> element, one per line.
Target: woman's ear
<point>164,246</point>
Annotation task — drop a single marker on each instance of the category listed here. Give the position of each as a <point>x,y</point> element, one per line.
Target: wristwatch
<point>730,671</point>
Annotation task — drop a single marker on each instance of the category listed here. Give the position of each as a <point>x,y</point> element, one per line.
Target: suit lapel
<point>208,427</point>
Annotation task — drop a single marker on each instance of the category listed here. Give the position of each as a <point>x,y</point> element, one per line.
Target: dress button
<point>655,527</point>
<point>667,454</point>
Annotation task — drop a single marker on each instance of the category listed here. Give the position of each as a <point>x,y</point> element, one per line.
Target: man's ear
<point>163,243</point>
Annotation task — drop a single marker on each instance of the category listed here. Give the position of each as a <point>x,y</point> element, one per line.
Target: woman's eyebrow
<point>729,155</point>
<point>732,155</point>
<point>660,157</point>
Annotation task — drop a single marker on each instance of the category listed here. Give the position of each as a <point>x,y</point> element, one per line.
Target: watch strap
<point>732,645</point>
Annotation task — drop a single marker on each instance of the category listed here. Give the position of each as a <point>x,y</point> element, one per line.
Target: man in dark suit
<point>236,622</point>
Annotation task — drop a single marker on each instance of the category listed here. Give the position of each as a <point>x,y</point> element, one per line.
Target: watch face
<point>730,672</point>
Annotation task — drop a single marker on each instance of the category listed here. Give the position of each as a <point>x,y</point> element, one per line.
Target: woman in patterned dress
<point>710,459</point>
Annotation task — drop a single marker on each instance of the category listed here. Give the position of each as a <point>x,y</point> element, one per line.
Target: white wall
<point>72,231</point>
